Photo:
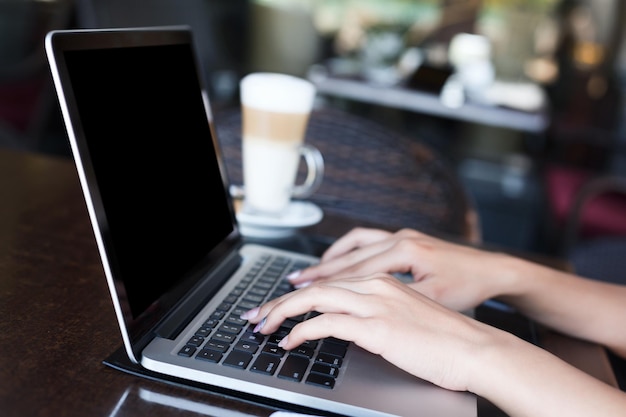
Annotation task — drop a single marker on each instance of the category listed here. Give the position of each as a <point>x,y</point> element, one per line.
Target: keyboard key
<point>337,341</point>
<point>210,323</point>
<point>224,307</point>
<point>300,265</point>
<point>285,286</point>
<point>264,285</point>
<point>321,381</point>
<point>228,328</point>
<point>203,332</point>
<point>231,299</point>
<point>245,305</point>
<point>289,324</point>
<point>237,292</point>
<point>187,351</point>
<point>238,359</point>
<point>238,311</point>
<point>253,337</point>
<point>331,360</point>
<point>294,368</point>
<point>235,321</point>
<point>273,349</point>
<point>251,298</point>
<point>217,315</point>
<point>326,370</point>
<point>217,346</point>
<point>333,349</point>
<point>276,338</point>
<point>195,341</point>
<point>305,351</point>
<point>265,364</point>
<point>256,290</point>
<point>310,343</point>
<point>209,355</point>
<point>224,337</point>
<point>246,347</point>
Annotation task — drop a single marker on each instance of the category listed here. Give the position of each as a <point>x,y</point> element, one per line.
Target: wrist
<point>522,379</point>
<point>502,368</point>
<point>505,275</point>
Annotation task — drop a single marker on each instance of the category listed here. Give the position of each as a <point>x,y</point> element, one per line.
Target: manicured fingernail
<point>293,275</point>
<point>250,314</point>
<point>259,326</point>
<point>303,284</point>
<point>283,341</point>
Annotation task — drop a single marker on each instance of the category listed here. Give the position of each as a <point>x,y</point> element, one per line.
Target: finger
<point>337,265</point>
<point>256,314</point>
<point>354,247</point>
<point>375,257</point>
<point>344,297</point>
<point>341,326</point>
<point>356,238</point>
<point>372,284</point>
<point>393,257</point>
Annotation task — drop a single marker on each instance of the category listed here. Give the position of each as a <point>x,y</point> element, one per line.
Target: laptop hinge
<point>182,314</point>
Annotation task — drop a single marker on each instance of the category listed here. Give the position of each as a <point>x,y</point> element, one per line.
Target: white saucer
<point>298,214</point>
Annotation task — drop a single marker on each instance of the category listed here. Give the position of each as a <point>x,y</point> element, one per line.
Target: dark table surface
<point>57,322</point>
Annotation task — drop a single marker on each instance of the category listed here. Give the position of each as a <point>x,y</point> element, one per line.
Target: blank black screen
<point>150,144</point>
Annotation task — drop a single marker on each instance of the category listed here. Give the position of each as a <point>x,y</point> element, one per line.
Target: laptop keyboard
<point>227,339</point>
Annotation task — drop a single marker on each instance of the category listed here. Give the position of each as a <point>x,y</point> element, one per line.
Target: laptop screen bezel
<point>136,331</point>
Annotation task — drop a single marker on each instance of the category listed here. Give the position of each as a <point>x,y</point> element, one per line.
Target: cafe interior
<point>520,100</point>
<point>527,107</point>
<point>498,122</point>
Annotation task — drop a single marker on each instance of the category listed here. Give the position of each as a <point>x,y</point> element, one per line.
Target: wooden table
<point>57,322</point>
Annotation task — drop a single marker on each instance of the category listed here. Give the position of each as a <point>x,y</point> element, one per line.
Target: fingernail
<point>259,326</point>
<point>293,275</point>
<point>283,341</point>
<point>250,314</point>
<point>303,284</point>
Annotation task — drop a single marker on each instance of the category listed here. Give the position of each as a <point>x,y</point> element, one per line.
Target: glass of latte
<point>275,112</point>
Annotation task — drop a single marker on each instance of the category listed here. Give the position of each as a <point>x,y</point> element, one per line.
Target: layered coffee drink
<point>275,113</point>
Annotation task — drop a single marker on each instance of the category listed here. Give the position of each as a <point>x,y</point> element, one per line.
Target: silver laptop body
<point>149,163</point>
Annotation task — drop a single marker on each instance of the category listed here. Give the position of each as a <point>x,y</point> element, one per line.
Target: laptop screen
<point>144,127</point>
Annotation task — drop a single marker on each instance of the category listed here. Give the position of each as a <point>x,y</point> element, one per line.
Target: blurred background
<point>523,97</point>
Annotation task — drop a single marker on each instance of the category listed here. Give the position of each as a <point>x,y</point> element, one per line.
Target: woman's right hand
<point>439,345</point>
<point>432,342</point>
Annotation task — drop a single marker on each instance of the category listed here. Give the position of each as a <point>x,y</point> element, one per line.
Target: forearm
<point>576,306</point>
<point>524,380</point>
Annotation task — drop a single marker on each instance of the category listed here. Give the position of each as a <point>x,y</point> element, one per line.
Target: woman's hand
<point>457,276</point>
<point>439,345</point>
<point>431,342</point>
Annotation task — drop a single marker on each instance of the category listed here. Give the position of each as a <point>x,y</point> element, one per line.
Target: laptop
<point>178,270</point>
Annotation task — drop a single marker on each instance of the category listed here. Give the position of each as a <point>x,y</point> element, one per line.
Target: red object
<point>601,216</point>
<point>19,101</point>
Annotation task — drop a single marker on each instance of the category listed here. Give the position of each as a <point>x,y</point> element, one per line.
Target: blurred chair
<point>373,174</point>
<point>584,206</point>
<point>592,210</point>
<point>26,93</point>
